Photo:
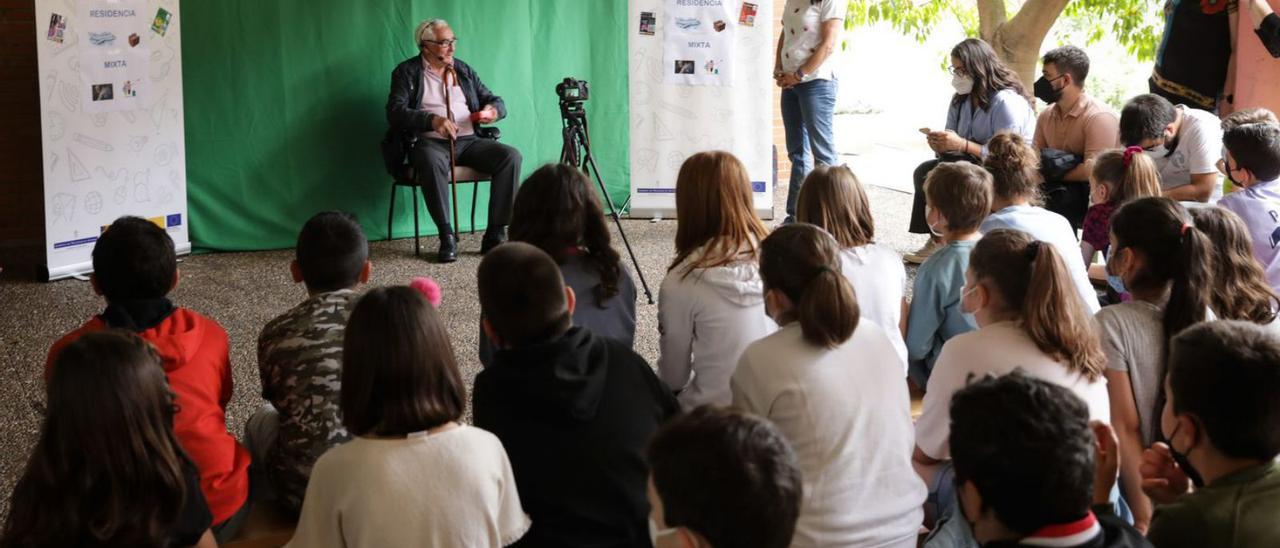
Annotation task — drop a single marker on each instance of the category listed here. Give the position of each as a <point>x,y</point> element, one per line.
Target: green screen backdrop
<point>284,103</point>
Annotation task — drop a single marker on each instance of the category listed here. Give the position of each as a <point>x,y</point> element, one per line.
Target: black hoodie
<point>575,415</point>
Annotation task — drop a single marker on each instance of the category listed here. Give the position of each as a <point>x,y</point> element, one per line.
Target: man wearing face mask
<point>1221,421</point>
<point>1185,144</point>
<point>1030,469</point>
<point>1074,123</point>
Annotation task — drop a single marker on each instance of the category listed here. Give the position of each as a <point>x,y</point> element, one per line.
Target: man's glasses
<point>443,43</point>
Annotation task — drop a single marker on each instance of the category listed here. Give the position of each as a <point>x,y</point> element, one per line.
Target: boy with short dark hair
<point>574,410</point>
<point>300,360</point>
<point>1222,420</point>
<point>957,197</point>
<point>725,479</point>
<point>1253,163</point>
<point>1027,469</point>
<point>135,267</point>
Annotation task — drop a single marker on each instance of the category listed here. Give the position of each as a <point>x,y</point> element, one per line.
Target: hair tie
<point>429,290</point>
<point>823,270</point>
<point>1033,250</point>
<point>1129,152</point>
<point>1185,227</point>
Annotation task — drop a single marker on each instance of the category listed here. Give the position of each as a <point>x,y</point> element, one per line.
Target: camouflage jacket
<point>300,361</point>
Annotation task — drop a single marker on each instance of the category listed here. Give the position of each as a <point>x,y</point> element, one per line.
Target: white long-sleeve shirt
<point>706,319</point>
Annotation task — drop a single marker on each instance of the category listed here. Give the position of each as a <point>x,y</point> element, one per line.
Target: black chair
<point>406,177</point>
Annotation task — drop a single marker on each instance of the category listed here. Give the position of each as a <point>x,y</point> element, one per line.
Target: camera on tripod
<point>572,90</point>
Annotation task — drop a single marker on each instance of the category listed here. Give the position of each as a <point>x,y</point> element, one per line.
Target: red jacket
<point>195,353</point>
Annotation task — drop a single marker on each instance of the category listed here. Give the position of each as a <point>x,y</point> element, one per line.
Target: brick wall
<point>21,173</point>
<point>779,135</point>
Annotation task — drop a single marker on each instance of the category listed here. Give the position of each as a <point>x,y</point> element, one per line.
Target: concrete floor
<point>242,291</point>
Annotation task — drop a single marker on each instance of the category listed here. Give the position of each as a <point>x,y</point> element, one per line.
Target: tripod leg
<point>588,160</point>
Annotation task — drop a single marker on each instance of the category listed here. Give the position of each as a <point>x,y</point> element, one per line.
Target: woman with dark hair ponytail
<point>833,386</point>
<point>1030,317</point>
<point>557,211</point>
<point>1165,263</point>
<point>107,469</point>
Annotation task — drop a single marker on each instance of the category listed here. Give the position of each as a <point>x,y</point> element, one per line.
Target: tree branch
<point>991,15</point>
<point>1034,20</point>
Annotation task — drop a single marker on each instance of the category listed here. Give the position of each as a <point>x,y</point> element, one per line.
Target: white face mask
<point>963,84</point>
<point>655,533</point>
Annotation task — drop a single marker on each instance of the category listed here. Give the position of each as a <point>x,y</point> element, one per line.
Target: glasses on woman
<point>956,70</point>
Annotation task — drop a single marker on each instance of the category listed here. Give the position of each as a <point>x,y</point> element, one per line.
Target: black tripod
<point>577,152</point>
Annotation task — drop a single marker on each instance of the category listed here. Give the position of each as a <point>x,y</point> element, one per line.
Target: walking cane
<point>453,162</point>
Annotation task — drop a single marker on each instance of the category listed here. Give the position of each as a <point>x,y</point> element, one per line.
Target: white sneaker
<point>920,255</point>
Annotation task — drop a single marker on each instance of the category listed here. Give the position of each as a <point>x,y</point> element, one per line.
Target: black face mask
<point>1181,458</point>
<point>1045,91</point>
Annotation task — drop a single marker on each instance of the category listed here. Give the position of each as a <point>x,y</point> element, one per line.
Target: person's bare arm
<point>1198,190</point>
<point>829,36</point>
<point>1124,418</point>
<point>1260,10</point>
<point>777,55</point>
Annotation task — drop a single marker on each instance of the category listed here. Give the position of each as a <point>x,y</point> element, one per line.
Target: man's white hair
<point>427,30</point>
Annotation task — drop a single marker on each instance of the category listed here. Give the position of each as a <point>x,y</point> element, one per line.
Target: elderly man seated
<point>436,102</point>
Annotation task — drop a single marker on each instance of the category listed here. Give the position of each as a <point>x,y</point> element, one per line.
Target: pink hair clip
<point>429,290</point>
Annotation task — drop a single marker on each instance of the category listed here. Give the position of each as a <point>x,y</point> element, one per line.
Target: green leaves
<point>1135,24</point>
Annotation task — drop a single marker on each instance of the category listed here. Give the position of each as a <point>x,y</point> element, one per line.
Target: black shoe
<point>492,240</point>
<point>448,248</point>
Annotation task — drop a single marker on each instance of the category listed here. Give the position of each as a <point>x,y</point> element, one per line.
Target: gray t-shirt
<point>1133,340</point>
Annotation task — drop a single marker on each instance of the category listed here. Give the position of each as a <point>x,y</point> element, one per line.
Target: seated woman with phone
<point>989,99</point>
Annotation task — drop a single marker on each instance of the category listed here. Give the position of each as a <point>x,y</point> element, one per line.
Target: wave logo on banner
<point>699,43</point>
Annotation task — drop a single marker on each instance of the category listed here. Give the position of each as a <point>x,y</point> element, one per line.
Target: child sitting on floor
<point>107,469</point>
<point>1252,161</point>
<point>134,269</point>
<point>1118,177</point>
<point>1239,290</point>
<point>832,383</point>
<point>414,474</point>
<point>1015,176</point>
<point>300,361</point>
<point>833,199</point>
<point>957,199</point>
<point>574,409</point>
<point>722,478</point>
<point>711,305</point>
<point>1221,420</point>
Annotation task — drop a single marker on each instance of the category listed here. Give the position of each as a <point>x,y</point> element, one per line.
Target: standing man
<point>1075,123</point>
<point>810,32</point>
<point>417,106</point>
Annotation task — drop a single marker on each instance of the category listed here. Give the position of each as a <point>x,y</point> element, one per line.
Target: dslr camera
<point>572,90</point>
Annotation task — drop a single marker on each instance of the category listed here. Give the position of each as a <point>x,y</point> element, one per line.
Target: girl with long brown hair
<point>1165,263</point>
<point>711,304</point>
<point>557,211</point>
<point>107,469</point>
<point>1119,177</point>
<point>824,361</point>
<point>1029,317</point>
<point>1239,290</point>
<point>834,200</point>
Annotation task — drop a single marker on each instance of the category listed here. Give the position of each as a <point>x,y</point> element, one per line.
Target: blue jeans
<point>807,115</point>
